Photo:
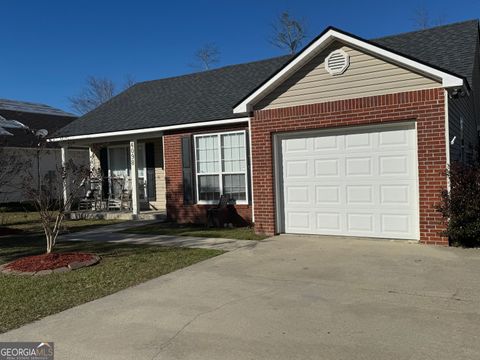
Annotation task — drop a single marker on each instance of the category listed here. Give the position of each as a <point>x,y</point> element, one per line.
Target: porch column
<point>92,157</point>
<point>66,183</point>
<point>134,177</point>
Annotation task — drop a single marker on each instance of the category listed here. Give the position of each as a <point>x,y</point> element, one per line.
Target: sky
<point>49,47</point>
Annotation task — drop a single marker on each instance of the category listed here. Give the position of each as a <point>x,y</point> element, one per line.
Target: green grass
<point>240,233</point>
<point>27,298</point>
<point>23,222</point>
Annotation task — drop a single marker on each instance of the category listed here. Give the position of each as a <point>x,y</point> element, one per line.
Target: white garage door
<point>357,183</point>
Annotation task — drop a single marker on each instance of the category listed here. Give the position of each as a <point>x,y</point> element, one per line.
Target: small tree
<point>50,200</point>
<point>288,33</point>
<point>460,206</point>
<point>206,57</point>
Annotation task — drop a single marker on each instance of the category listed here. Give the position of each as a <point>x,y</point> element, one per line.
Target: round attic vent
<point>337,62</point>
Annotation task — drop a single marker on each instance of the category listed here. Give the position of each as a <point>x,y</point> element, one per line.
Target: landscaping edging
<point>72,266</point>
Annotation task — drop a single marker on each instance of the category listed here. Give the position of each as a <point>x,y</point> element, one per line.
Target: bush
<point>460,207</point>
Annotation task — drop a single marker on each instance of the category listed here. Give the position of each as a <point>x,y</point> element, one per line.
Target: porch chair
<point>115,197</point>
<point>92,199</point>
<point>218,215</point>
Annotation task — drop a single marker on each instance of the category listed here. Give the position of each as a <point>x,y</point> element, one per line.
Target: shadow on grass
<point>14,248</point>
<point>174,229</point>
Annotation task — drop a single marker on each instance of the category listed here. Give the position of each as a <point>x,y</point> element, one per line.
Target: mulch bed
<point>48,263</point>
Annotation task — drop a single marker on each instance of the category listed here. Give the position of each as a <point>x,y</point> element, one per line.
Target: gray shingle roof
<point>33,108</point>
<point>197,97</point>
<point>35,121</point>
<point>211,95</point>
<point>449,47</point>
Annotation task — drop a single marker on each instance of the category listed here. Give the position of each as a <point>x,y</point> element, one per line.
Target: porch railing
<point>109,194</point>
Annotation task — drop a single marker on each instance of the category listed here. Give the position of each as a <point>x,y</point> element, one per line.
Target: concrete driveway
<point>290,297</point>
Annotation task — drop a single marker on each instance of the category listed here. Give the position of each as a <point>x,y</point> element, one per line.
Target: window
<point>221,167</point>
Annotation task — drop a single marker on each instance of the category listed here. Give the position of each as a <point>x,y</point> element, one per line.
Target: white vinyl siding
<point>221,167</point>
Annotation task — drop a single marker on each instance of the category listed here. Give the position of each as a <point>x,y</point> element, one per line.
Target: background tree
<point>422,19</point>
<point>288,33</point>
<point>97,90</point>
<point>206,56</point>
<point>12,165</point>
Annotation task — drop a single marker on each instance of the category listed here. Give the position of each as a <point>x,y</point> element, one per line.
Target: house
<point>23,145</point>
<point>348,137</point>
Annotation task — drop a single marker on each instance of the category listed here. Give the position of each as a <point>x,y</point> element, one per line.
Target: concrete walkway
<point>290,297</point>
<point>110,233</point>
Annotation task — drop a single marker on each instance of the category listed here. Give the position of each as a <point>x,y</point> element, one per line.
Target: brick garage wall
<point>427,107</point>
<point>176,209</point>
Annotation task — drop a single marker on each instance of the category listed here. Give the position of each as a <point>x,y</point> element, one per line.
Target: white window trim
<point>220,173</point>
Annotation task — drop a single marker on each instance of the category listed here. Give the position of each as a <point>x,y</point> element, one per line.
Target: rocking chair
<point>217,216</point>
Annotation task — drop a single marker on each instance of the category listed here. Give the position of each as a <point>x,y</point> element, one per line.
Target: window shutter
<point>104,169</point>
<point>187,170</point>
<point>150,164</point>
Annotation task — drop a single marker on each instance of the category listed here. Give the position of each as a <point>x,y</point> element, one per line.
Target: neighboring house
<point>348,137</point>
<point>23,145</point>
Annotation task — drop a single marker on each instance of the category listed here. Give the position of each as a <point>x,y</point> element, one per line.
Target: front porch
<point>127,180</point>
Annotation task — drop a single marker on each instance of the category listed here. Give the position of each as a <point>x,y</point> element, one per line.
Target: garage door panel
<point>296,168</point>
<point>359,184</point>
<point>299,220</point>
<point>360,141</point>
<point>359,166</point>
<point>298,195</point>
<point>327,195</point>
<point>326,144</point>
<point>396,165</point>
<point>327,167</point>
<point>360,194</point>
<point>296,145</point>
<point>328,222</point>
<point>360,223</point>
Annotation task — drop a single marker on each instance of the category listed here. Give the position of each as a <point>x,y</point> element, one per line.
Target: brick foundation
<point>427,107</point>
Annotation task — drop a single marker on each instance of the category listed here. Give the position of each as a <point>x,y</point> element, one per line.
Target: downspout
<point>447,136</point>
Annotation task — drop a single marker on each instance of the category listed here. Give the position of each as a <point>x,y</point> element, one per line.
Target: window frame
<point>220,173</point>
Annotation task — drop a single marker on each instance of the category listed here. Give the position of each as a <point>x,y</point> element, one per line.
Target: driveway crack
<point>197,316</point>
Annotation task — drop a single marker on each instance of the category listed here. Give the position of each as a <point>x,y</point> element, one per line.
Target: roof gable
<point>364,75</point>
<point>325,39</point>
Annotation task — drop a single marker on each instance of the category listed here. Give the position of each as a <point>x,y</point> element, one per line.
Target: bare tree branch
<point>206,57</point>
<point>422,19</point>
<point>97,90</point>
<point>288,33</point>
<point>129,81</point>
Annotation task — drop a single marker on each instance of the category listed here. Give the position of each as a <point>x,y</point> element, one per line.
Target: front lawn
<point>28,222</point>
<point>27,298</point>
<point>240,233</point>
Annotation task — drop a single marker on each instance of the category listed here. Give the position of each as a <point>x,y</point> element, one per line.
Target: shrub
<point>460,207</point>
